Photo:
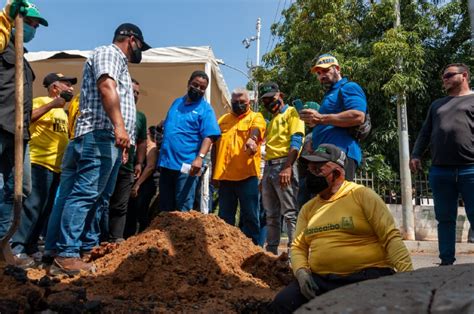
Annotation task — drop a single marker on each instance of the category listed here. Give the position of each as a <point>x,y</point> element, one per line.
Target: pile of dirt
<point>184,262</point>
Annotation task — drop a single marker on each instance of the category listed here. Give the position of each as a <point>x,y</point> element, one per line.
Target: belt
<point>276,161</point>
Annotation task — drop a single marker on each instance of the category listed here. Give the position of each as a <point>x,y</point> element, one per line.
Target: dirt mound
<point>184,262</point>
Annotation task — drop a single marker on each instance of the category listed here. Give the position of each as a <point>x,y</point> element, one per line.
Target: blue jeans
<point>177,190</point>
<point>447,183</point>
<point>245,193</point>
<point>89,171</point>
<point>36,209</point>
<point>7,163</point>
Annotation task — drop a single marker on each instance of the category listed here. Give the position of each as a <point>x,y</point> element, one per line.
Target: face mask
<point>66,95</point>
<point>136,56</point>
<point>317,184</point>
<point>239,108</point>
<point>273,107</point>
<point>194,93</point>
<point>28,32</point>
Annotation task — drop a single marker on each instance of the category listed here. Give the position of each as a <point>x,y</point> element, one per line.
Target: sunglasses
<point>449,75</point>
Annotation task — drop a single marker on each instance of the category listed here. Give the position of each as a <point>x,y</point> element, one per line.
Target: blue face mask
<point>28,32</point>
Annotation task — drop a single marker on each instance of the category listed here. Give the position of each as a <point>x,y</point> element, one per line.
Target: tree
<point>361,35</point>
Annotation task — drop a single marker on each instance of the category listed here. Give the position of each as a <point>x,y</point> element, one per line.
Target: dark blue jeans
<point>177,190</point>
<point>7,163</point>
<point>447,183</point>
<point>36,209</point>
<point>90,166</point>
<point>245,193</point>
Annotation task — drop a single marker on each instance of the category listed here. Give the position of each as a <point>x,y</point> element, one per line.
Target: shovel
<point>5,250</point>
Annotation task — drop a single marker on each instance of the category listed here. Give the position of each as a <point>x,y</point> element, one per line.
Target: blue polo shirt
<point>185,128</point>
<point>354,99</point>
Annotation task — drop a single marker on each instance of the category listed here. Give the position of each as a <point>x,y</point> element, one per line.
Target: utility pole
<point>246,42</point>
<point>408,220</point>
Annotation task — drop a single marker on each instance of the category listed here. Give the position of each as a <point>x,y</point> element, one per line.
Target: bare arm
<point>39,112</point>
<point>197,162</point>
<point>141,154</point>
<point>111,103</point>
<point>147,172</point>
<point>343,119</point>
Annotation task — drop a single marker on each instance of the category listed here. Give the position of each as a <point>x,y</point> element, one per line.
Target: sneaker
<point>22,260</point>
<point>69,266</point>
<point>445,264</point>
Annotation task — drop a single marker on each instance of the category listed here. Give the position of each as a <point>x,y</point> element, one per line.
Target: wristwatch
<point>202,155</point>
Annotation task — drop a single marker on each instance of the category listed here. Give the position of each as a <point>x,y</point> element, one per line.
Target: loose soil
<point>184,262</point>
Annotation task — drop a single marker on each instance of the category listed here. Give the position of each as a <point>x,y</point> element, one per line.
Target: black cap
<point>269,89</point>
<point>129,29</point>
<point>54,77</point>
<point>327,152</point>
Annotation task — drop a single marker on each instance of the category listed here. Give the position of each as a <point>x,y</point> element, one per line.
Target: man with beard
<point>344,235</point>
<point>104,131</point>
<point>449,131</point>
<point>344,106</point>
<point>284,139</point>
<point>237,164</point>
<point>190,128</point>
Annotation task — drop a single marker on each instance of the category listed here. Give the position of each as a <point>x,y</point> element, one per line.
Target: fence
<point>390,190</point>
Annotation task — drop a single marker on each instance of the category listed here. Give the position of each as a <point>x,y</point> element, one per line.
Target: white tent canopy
<point>163,75</point>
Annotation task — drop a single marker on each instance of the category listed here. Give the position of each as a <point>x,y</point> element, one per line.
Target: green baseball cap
<point>33,12</point>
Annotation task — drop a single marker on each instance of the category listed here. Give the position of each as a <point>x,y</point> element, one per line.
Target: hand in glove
<point>308,286</point>
<point>15,7</point>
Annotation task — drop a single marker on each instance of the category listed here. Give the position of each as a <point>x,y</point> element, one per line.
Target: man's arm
<point>39,112</point>
<point>111,103</point>
<point>197,162</point>
<point>383,224</point>
<point>421,144</point>
<point>343,119</point>
<point>147,172</point>
<point>299,251</point>
<point>141,155</point>
<point>6,25</point>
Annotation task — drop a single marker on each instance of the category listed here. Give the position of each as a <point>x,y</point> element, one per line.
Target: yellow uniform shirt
<point>48,136</point>
<point>232,162</point>
<point>73,113</point>
<point>279,132</point>
<point>351,231</point>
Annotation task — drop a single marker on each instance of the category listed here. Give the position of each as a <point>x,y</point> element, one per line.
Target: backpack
<point>359,132</point>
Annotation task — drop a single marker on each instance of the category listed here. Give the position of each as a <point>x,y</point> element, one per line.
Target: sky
<point>221,24</point>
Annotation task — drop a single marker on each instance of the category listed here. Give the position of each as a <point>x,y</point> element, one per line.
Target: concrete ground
<point>421,260</point>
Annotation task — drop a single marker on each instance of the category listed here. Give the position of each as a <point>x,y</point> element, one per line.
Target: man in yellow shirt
<point>237,164</point>
<point>49,137</point>
<point>344,235</point>
<point>284,139</point>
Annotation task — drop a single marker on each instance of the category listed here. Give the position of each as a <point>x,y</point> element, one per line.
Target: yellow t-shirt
<point>232,162</point>
<point>351,231</point>
<point>279,132</point>
<point>48,136</point>
<point>73,113</point>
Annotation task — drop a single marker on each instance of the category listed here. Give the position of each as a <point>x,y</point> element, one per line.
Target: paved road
<point>431,260</point>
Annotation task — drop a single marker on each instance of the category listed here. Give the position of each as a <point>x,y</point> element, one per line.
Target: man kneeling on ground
<point>344,235</point>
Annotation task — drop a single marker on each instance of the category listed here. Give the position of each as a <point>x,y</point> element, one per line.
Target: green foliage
<point>383,60</point>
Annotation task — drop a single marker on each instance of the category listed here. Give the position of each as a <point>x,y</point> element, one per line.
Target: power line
<point>274,20</point>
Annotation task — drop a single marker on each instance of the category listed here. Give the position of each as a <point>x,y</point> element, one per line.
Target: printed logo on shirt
<point>59,125</point>
<point>347,223</point>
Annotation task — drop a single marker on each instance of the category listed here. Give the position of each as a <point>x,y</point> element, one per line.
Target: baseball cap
<point>54,77</point>
<point>324,61</point>
<point>327,152</point>
<point>32,11</point>
<point>269,89</point>
<point>129,29</point>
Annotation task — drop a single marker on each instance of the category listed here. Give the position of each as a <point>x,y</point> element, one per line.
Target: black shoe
<point>445,264</point>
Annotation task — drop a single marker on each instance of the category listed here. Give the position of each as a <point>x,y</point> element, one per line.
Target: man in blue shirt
<point>344,106</point>
<point>189,130</point>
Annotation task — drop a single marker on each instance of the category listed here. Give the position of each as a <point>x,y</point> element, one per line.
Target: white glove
<point>308,286</point>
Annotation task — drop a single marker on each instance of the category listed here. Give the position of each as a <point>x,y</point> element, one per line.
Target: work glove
<point>16,6</point>
<point>308,286</point>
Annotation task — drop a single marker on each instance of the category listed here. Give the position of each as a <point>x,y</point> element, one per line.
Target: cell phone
<point>298,104</point>
<point>311,105</point>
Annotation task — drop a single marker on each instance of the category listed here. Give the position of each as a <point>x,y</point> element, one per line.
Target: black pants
<point>119,204</point>
<point>290,298</point>
<point>138,208</point>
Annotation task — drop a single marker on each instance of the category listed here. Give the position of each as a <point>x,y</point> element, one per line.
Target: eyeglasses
<point>449,75</point>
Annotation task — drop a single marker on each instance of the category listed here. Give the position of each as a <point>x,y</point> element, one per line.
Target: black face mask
<point>316,184</point>
<point>273,107</point>
<point>66,95</point>
<point>239,108</point>
<point>136,56</point>
<point>194,93</point>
